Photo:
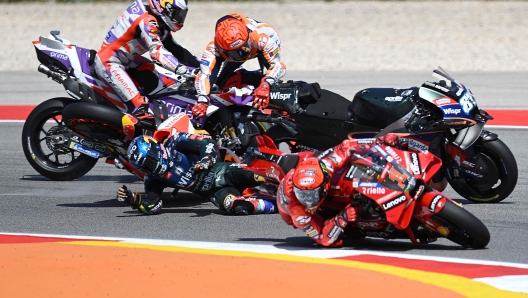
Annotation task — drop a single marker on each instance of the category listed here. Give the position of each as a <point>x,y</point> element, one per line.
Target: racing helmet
<point>232,36</point>
<point>172,12</point>
<point>310,182</point>
<point>148,155</point>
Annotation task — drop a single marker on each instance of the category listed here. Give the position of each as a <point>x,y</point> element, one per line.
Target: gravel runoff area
<point>352,35</point>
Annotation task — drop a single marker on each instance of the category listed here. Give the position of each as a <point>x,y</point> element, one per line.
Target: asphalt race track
<point>32,204</point>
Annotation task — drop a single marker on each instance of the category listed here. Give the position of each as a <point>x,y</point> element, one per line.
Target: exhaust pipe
<point>57,77</point>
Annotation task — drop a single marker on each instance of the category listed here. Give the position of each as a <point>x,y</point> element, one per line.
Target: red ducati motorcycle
<point>389,186</point>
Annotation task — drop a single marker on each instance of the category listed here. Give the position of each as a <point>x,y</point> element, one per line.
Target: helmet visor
<point>240,54</point>
<point>309,197</point>
<point>177,14</point>
<point>151,163</point>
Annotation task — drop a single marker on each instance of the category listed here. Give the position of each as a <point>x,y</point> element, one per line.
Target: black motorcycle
<point>441,117</point>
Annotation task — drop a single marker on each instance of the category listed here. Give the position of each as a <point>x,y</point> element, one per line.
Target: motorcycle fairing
<point>397,205</point>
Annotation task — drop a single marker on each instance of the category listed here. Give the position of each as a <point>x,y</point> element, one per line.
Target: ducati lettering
<point>432,207</point>
<point>415,164</point>
<point>281,96</point>
<point>394,202</point>
<point>367,225</point>
<point>377,234</point>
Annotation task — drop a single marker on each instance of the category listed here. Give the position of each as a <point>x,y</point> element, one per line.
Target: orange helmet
<point>232,36</point>
<point>310,182</point>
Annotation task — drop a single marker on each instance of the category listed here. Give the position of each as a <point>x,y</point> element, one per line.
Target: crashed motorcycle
<point>390,188</point>
<point>98,126</point>
<point>441,117</point>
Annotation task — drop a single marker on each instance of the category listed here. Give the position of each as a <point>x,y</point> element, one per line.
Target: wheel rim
<point>43,148</point>
<point>490,188</point>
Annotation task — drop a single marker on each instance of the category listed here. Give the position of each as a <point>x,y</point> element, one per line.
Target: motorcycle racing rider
<point>144,27</point>
<point>238,39</point>
<point>188,161</point>
<point>304,188</point>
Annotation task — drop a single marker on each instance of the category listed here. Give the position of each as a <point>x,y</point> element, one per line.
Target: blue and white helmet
<point>148,155</point>
<point>172,12</point>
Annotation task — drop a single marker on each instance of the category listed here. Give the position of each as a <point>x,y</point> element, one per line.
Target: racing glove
<point>390,139</point>
<point>186,72</point>
<point>200,108</point>
<point>349,214</point>
<point>262,95</point>
<point>125,195</point>
<point>150,205</point>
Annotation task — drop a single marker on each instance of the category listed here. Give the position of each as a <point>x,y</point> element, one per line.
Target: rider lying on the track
<point>188,161</point>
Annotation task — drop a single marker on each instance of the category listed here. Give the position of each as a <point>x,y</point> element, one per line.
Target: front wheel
<point>499,170</point>
<point>464,228</point>
<point>39,134</point>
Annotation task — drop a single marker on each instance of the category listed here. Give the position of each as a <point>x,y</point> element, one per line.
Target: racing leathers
<point>324,232</point>
<point>217,67</point>
<point>135,33</point>
<point>193,167</point>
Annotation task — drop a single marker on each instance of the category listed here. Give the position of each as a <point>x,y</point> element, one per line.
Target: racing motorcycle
<point>440,117</point>
<point>97,124</point>
<point>390,188</point>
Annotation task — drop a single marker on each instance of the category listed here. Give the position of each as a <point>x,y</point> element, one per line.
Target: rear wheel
<point>39,143</point>
<point>500,174</point>
<point>464,228</point>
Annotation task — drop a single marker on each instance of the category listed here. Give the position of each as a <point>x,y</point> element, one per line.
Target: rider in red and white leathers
<point>144,27</point>
<point>304,188</point>
<point>237,40</point>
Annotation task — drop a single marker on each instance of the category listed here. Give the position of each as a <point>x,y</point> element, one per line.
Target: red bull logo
<point>128,121</point>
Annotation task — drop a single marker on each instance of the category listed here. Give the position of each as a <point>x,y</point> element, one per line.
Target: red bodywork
<point>384,191</point>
